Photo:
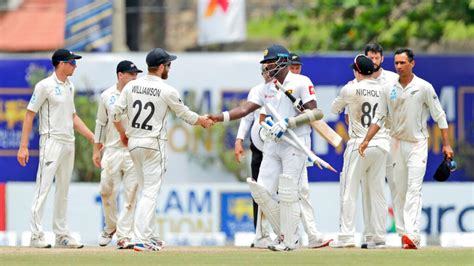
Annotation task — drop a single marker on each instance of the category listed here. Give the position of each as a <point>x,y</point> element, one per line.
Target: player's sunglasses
<point>71,62</point>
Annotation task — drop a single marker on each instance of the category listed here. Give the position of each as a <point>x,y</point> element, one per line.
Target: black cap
<point>363,65</point>
<point>158,56</point>
<point>274,52</point>
<point>443,172</point>
<point>64,55</point>
<point>127,66</point>
<point>295,59</point>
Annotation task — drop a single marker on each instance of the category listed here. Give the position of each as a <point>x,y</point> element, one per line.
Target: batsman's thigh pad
<point>266,203</point>
<point>290,211</point>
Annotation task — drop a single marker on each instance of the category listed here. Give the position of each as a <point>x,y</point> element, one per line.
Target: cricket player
<point>385,78</point>
<point>147,101</point>
<point>116,163</point>
<point>360,99</point>
<point>283,166</point>
<point>53,100</point>
<point>295,65</point>
<point>408,104</point>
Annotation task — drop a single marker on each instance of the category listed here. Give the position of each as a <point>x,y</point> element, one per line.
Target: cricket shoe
<point>264,242</point>
<point>319,242</point>
<point>146,247</point>
<point>125,243</point>
<point>341,244</point>
<point>158,242</point>
<point>105,238</point>
<point>281,246</point>
<point>66,241</point>
<point>410,243</point>
<point>373,245</point>
<point>39,242</point>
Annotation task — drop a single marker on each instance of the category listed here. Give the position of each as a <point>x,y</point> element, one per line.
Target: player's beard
<point>164,75</point>
<point>376,67</point>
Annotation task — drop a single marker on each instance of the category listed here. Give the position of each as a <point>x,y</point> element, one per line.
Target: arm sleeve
<point>307,92</point>
<point>339,104</point>
<point>436,111</point>
<point>39,96</point>
<point>177,106</point>
<point>254,97</point>
<point>382,109</point>
<point>120,105</point>
<point>245,124</point>
<point>100,122</point>
<point>73,96</point>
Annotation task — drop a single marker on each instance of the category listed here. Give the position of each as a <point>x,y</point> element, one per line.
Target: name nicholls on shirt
<point>365,92</point>
<point>146,90</point>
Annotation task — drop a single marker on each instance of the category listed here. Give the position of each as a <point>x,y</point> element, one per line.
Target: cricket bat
<point>320,126</point>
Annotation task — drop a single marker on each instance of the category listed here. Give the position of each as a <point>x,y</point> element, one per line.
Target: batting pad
<point>290,211</point>
<point>266,203</point>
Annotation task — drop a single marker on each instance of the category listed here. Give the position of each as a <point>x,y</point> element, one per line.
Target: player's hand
<point>362,147</point>
<point>205,121</point>
<point>23,156</point>
<point>124,139</point>
<point>278,129</point>
<point>239,151</point>
<point>448,151</point>
<point>214,118</point>
<point>96,156</point>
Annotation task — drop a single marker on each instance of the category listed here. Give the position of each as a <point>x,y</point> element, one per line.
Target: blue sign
<point>236,213</point>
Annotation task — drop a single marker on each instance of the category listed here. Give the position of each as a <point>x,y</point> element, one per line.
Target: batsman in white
<point>116,163</point>
<point>408,104</point>
<point>53,99</point>
<point>360,99</point>
<point>147,101</point>
<point>283,166</point>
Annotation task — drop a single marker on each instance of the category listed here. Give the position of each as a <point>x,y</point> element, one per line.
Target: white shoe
<point>125,243</point>
<point>280,247</point>
<point>319,242</point>
<point>157,242</point>
<point>146,247</point>
<point>341,244</point>
<point>65,241</point>
<point>373,245</point>
<point>105,238</point>
<point>263,242</point>
<point>39,242</point>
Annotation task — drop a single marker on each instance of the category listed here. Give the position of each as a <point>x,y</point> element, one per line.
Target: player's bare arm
<point>96,154</point>
<point>23,153</point>
<point>310,105</point>
<point>237,112</point>
<point>239,151</point>
<point>204,121</point>
<point>447,149</point>
<point>373,129</point>
<point>121,130</point>
<point>80,127</point>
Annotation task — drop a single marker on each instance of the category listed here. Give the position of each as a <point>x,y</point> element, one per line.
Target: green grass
<point>236,256</point>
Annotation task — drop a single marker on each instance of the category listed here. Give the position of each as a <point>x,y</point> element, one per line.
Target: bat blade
<point>327,132</point>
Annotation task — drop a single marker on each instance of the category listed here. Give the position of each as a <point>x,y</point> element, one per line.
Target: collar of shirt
<point>412,83</point>
<point>153,77</point>
<point>55,78</point>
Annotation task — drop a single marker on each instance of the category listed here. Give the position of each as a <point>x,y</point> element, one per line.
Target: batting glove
<point>279,129</point>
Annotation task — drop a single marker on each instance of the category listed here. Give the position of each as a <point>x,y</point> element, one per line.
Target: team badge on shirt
<point>112,100</point>
<point>311,90</point>
<point>57,90</point>
<point>33,99</point>
<point>393,94</point>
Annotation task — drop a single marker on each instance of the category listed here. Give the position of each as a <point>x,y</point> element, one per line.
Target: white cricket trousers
<point>56,162</point>
<point>117,168</point>
<point>282,158</point>
<point>409,160</point>
<point>149,158</point>
<point>368,172</point>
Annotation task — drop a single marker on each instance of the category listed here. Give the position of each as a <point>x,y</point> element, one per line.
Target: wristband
<point>225,117</point>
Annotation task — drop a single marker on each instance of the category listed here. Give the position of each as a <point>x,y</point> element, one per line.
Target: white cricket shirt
<point>361,100</point>
<point>53,100</point>
<point>408,108</point>
<point>147,101</point>
<point>299,86</point>
<point>105,131</point>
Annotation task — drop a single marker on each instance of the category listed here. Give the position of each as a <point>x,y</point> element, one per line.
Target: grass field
<point>235,256</point>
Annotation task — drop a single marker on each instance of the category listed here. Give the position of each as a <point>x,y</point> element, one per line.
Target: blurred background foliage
<point>335,25</point>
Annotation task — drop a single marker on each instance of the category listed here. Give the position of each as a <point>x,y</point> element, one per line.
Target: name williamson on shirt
<point>146,90</point>
<point>365,92</point>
